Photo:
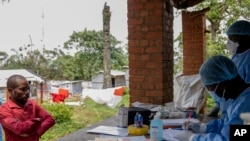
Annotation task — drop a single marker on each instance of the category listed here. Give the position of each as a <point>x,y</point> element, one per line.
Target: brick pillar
<point>194,41</point>
<point>150,42</point>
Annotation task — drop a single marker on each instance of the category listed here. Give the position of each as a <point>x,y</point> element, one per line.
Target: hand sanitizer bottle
<point>156,128</point>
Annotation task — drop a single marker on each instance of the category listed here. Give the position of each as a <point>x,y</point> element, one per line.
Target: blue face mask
<point>221,100</point>
<point>214,95</point>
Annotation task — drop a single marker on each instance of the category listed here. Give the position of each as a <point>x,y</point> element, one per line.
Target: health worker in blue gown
<point>238,45</point>
<point>220,76</point>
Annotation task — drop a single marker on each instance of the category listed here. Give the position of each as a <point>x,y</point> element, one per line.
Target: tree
<point>88,58</point>
<point>222,14</point>
<point>3,56</point>
<point>178,54</point>
<point>106,47</point>
<point>25,58</point>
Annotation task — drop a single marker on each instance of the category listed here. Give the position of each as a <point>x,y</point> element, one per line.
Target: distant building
<point>74,87</point>
<point>34,80</point>
<point>117,79</point>
<point>126,75</point>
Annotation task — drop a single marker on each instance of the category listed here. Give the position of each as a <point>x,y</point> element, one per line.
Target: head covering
<point>217,69</point>
<point>241,27</point>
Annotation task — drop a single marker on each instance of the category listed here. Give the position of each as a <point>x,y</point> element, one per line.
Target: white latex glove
<point>195,127</point>
<point>184,136</point>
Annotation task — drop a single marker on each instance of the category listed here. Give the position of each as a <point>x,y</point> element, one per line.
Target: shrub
<point>61,112</point>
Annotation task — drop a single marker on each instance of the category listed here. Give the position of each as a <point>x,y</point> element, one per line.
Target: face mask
<point>225,104</point>
<point>222,100</point>
<point>214,95</point>
<point>232,46</point>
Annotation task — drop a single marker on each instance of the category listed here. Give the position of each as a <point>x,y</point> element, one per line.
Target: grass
<point>83,116</point>
<point>89,114</point>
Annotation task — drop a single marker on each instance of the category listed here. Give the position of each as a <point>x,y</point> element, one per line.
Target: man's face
<point>20,94</point>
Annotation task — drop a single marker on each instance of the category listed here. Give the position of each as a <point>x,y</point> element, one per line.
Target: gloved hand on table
<point>185,136</point>
<point>195,127</point>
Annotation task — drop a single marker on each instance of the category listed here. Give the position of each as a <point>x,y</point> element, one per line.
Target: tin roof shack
<point>74,87</point>
<point>35,80</point>
<point>117,79</point>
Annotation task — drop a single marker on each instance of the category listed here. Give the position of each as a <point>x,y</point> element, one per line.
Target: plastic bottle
<point>122,120</point>
<point>138,120</point>
<point>156,128</point>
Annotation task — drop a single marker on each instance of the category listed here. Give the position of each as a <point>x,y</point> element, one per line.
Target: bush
<point>61,112</point>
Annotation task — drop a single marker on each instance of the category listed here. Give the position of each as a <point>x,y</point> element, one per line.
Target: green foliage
<point>210,102</point>
<point>61,112</point>
<point>125,98</point>
<point>3,55</point>
<point>217,47</point>
<point>57,65</point>
<point>89,46</point>
<point>178,54</point>
<point>82,117</point>
<point>221,15</point>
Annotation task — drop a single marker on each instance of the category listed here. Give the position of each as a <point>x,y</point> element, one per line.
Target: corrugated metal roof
<point>115,72</point>
<point>29,75</point>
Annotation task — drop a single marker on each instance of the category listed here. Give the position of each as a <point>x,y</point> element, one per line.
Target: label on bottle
<point>154,131</point>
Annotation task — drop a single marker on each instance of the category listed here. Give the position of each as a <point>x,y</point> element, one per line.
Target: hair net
<point>241,27</point>
<point>217,69</point>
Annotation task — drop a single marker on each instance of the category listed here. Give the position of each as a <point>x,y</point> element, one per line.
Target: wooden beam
<point>183,4</point>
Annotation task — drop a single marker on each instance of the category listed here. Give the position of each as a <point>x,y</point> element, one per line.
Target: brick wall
<point>150,41</point>
<point>193,28</point>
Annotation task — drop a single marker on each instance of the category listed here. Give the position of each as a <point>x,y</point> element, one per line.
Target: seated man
<point>220,76</point>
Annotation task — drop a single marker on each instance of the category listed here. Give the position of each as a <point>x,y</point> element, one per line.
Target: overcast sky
<point>22,19</point>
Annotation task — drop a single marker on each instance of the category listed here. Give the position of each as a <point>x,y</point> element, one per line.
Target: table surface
<point>82,135</point>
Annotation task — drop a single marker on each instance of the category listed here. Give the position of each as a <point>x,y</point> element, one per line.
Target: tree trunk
<point>106,47</point>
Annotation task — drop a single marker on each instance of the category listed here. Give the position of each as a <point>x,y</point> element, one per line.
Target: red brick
<point>153,50</point>
<point>144,43</point>
<point>137,21</point>
<point>147,86</point>
<point>154,35</point>
<point>136,50</point>
<point>144,57</point>
<point>143,13</point>
<point>150,65</point>
<point>136,65</point>
<point>193,43</point>
<point>152,42</point>
<point>136,36</point>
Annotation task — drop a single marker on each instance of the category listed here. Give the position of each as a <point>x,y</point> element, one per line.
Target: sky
<point>51,22</point>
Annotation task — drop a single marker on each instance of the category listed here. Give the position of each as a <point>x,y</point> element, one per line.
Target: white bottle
<point>122,120</point>
<point>156,128</point>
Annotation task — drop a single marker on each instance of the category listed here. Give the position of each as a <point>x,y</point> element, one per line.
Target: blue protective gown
<point>219,129</point>
<point>242,62</point>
